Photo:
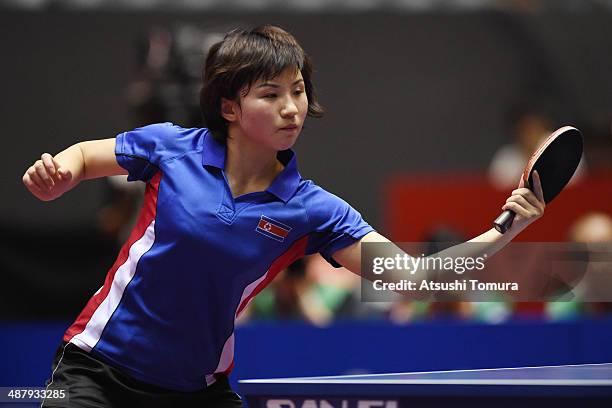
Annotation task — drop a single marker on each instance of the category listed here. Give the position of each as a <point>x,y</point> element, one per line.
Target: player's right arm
<point>51,176</point>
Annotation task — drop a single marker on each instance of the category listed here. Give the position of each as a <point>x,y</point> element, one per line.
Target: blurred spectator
<point>406,311</point>
<point>292,295</point>
<point>311,290</point>
<point>341,290</point>
<point>438,240</point>
<point>594,227</point>
<point>598,137</point>
<point>167,85</point>
<point>528,126</point>
<point>594,292</point>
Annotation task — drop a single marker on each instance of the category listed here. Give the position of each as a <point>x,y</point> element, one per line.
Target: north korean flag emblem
<point>272,228</point>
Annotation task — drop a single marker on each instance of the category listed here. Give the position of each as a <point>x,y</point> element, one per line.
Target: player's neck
<point>249,167</point>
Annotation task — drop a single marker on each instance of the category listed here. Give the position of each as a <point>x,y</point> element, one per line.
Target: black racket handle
<point>504,221</point>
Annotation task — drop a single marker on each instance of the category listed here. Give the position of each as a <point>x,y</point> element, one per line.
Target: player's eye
<point>270,96</point>
<point>298,92</point>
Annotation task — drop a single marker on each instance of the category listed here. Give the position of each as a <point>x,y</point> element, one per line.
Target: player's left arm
<point>528,206</point>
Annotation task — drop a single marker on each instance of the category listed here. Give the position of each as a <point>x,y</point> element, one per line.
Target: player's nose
<point>289,108</point>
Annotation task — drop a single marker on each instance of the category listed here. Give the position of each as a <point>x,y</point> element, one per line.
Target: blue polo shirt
<point>197,256</point>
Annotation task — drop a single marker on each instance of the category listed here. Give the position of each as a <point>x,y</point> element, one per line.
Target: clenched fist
<point>46,179</point>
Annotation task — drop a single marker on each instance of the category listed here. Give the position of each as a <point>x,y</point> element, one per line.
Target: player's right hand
<point>46,179</point>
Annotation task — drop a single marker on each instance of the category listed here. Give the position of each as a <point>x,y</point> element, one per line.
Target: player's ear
<point>229,110</point>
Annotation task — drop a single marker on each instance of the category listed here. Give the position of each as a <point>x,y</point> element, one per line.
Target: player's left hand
<point>528,205</point>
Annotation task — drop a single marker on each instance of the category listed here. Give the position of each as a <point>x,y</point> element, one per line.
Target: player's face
<point>272,113</point>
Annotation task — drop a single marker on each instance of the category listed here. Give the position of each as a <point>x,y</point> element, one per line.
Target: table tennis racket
<point>556,161</point>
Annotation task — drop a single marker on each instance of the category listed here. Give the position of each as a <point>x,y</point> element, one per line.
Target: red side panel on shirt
<point>147,215</point>
<point>295,252</point>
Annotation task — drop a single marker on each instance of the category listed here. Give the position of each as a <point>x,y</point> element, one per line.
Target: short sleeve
<point>334,223</point>
<point>140,151</point>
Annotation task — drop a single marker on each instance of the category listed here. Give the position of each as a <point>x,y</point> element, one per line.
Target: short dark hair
<point>243,57</point>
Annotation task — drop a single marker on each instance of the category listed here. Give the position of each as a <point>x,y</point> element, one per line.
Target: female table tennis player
<point>225,210</point>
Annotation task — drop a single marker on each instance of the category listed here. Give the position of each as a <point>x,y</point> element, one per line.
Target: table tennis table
<point>585,385</point>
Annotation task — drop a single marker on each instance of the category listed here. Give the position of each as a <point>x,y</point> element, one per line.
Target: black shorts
<point>92,383</point>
